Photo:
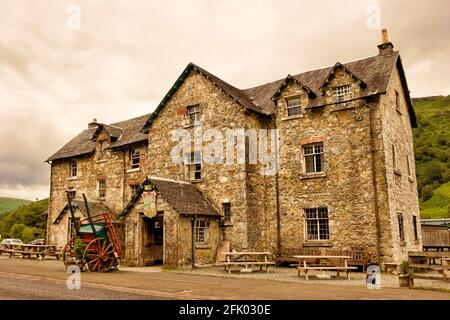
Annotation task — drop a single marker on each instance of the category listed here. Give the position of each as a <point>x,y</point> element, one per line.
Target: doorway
<point>153,239</point>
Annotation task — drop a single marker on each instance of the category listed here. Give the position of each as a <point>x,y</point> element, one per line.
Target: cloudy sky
<point>57,72</point>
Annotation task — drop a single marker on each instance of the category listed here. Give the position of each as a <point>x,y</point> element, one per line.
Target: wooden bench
<point>309,262</point>
<point>260,259</point>
<point>28,250</point>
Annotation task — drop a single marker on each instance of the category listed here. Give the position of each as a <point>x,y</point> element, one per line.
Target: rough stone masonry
<point>345,179</point>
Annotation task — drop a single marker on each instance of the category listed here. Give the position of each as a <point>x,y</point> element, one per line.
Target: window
<point>401,232</point>
<point>103,145</point>
<point>72,193</point>
<point>317,224</point>
<point>416,235</point>
<point>135,157</point>
<point>394,157</point>
<point>193,114</point>
<point>293,107</point>
<point>226,209</point>
<point>73,168</point>
<point>408,164</point>
<point>341,93</point>
<point>314,160</point>
<point>201,231</point>
<point>397,101</point>
<point>193,166</point>
<point>102,188</point>
<point>71,230</point>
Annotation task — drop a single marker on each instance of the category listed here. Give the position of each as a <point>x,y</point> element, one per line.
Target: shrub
<point>446,176</point>
<point>404,267</point>
<point>442,140</point>
<point>78,248</point>
<point>427,192</point>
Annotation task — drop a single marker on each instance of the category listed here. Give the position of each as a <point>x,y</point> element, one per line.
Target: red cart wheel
<point>68,256</point>
<point>99,256</point>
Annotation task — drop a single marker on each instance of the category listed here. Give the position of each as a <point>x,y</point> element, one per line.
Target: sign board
<point>149,203</point>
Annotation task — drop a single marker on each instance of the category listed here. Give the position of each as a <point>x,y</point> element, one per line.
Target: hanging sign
<point>149,203</point>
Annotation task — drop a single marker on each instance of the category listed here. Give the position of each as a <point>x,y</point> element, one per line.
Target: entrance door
<point>153,240</point>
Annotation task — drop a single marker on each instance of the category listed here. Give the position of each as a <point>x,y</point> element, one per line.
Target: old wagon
<point>95,245</point>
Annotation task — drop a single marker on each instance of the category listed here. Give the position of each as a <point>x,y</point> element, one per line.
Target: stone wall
<point>115,168</point>
<point>401,185</point>
<point>345,187</point>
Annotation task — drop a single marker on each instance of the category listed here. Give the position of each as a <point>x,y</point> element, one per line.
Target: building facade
<point>322,159</point>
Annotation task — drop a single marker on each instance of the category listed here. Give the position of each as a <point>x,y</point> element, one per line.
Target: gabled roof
<point>288,79</point>
<point>338,65</point>
<point>124,133</point>
<point>95,208</point>
<point>184,197</point>
<point>375,71</point>
<point>238,95</point>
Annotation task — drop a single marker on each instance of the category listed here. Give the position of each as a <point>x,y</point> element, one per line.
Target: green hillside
<point>432,151</point>
<point>25,223</point>
<point>10,204</point>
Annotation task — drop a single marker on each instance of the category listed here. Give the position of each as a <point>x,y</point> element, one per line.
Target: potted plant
<point>403,278</point>
<point>79,248</point>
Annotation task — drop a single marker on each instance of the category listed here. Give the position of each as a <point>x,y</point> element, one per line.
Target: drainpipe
<point>374,184</point>
<point>193,241</point>
<point>277,193</point>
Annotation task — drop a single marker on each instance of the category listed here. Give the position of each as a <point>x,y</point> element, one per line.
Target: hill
<point>432,152</point>
<point>10,204</point>
<point>26,223</point>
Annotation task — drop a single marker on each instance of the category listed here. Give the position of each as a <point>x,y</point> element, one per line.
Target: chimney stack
<point>93,124</point>
<point>386,46</point>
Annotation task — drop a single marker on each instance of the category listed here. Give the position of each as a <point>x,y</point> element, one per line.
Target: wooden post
<point>193,242</point>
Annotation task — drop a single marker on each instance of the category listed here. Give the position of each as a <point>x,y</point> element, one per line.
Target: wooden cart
<point>95,244</point>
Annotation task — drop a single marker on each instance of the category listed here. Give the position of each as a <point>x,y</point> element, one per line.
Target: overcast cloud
<point>127,54</point>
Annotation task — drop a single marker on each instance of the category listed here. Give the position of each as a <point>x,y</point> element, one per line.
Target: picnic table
<point>247,259</point>
<point>26,250</point>
<point>336,263</point>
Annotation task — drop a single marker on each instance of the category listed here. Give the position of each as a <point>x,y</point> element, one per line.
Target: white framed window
<point>293,106</point>
<point>71,229</point>
<point>341,93</point>
<point>314,158</point>
<point>201,231</point>
<point>73,168</point>
<point>401,230</point>
<point>193,164</point>
<point>317,224</point>
<point>135,158</point>
<point>102,188</point>
<point>194,114</point>
<point>226,210</point>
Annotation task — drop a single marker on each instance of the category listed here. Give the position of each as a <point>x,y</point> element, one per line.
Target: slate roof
<point>183,197</point>
<point>124,133</point>
<point>95,208</point>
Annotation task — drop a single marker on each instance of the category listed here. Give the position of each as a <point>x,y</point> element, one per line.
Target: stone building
<point>343,175</point>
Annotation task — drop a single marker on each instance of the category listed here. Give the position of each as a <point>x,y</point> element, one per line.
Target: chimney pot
<point>93,124</point>
<point>386,46</point>
<point>384,36</point>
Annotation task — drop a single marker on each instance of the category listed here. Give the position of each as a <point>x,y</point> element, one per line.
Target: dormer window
<point>293,106</point>
<point>341,93</point>
<point>193,114</point>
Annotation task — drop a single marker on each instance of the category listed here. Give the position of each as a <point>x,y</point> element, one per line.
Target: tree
<point>427,192</point>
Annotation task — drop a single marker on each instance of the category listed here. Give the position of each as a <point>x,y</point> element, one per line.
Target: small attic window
<point>397,102</point>
<point>193,115</point>
<point>340,93</point>
<point>293,107</point>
